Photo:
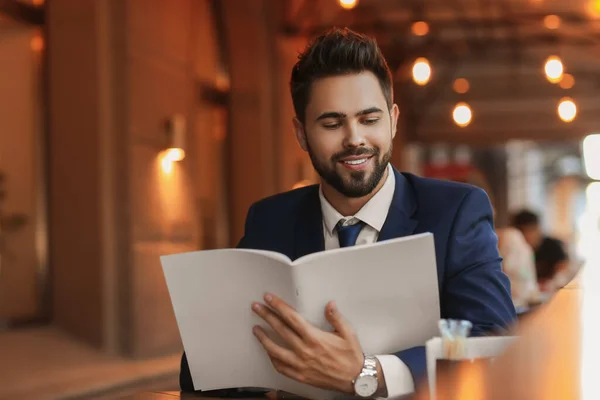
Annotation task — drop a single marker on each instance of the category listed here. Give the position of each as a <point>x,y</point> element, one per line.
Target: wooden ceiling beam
<point>372,20</point>
<point>22,12</point>
<point>491,138</point>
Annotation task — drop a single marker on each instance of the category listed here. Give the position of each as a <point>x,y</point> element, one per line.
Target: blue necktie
<point>347,235</point>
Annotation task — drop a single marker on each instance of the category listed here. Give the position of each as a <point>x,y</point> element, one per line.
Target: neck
<point>348,206</point>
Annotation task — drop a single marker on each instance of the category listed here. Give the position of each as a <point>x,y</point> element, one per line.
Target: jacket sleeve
<point>185,378</point>
<point>475,288</point>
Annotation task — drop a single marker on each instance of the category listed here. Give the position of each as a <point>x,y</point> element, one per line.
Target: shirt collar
<point>373,213</point>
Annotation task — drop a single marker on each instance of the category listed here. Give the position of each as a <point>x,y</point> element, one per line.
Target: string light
<point>420,28</point>
<point>567,109</point>
<point>593,8</point>
<point>348,4</point>
<point>554,69</point>
<point>552,21</point>
<point>567,81</point>
<point>421,71</point>
<point>461,85</point>
<point>462,114</point>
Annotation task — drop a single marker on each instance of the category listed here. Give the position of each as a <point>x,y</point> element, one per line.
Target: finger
<point>338,322</point>
<point>275,351</point>
<point>289,315</point>
<point>288,371</point>
<point>278,325</point>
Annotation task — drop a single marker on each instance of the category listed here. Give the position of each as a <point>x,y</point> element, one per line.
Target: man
<point>345,119</point>
<point>550,255</point>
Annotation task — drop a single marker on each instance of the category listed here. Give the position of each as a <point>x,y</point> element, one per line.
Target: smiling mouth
<point>356,162</point>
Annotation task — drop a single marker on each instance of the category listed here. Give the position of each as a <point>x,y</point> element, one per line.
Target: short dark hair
<point>337,52</point>
<point>525,218</point>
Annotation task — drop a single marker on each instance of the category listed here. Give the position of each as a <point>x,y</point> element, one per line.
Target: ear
<point>300,133</point>
<point>394,113</point>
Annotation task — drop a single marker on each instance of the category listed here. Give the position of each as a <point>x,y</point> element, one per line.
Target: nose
<point>354,136</point>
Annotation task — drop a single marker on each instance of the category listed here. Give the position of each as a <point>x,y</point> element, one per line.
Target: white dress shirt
<point>397,376</point>
<point>519,264</point>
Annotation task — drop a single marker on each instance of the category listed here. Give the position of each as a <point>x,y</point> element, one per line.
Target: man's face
<point>348,132</point>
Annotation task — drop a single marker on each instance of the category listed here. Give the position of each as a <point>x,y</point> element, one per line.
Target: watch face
<point>366,386</point>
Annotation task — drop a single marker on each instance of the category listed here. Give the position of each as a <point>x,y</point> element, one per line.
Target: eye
<point>332,125</point>
<point>370,121</point>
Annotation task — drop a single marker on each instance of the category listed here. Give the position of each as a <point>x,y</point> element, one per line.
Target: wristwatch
<point>366,383</point>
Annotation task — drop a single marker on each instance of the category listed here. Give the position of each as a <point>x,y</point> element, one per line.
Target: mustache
<point>362,151</point>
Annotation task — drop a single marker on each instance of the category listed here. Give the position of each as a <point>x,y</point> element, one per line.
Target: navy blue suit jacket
<point>471,283</point>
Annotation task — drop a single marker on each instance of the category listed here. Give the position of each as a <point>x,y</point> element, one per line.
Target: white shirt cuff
<point>398,380</point>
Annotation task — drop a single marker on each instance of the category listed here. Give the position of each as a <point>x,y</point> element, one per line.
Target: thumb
<point>337,321</point>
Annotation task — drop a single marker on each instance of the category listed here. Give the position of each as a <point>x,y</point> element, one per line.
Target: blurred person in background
<point>518,256</point>
<point>551,258</point>
<point>519,264</point>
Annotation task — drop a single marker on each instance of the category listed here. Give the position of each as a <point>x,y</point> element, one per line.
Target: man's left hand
<point>327,360</point>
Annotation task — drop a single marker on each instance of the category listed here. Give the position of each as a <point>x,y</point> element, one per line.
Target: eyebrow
<point>339,115</point>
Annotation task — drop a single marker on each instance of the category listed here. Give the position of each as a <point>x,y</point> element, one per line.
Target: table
<point>555,357</point>
<point>175,395</point>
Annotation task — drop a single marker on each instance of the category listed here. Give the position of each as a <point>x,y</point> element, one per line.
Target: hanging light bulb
<point>567,109</point>
<point>37,43</point>
<point>593,8</point>
<point>461,85</point>
<point>421,71</point>
<point>348,4</point>
<point>554,69</point>
<point>462,114</point>
<point>567,81</point>
<point>552,21</point>
<point>420,28</point>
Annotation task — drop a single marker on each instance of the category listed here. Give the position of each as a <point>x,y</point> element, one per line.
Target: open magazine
<point>388,291</point>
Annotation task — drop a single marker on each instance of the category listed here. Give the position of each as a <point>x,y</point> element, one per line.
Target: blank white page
<point>388,291</point>
<point>212,293</point>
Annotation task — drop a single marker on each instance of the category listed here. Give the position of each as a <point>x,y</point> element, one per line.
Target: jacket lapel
<point>308,230</point>
<point>400,220</point>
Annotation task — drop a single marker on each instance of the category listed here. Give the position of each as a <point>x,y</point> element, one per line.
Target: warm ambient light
<point>175,150</point>
<point>174,154</point>
<point>166,165</point>
<point>169,157</point>
<point>592,194</point>
<point>567,81</point>
<point>348,4</point>
<point>552,21</point>
<point>421,71</point>
<point>567,110</point>
<point>37,43</point>
<point>462,114</point>
<point>176,127</point>
<point>554,69</point>
<point>593,8</point>
<point>302,183</point>
<point>420,28</point>
<point>461,85</point>
<point>591,156</point>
